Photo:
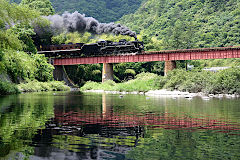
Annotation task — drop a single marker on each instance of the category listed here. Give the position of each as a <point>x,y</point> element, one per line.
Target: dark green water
<point>98,126</point>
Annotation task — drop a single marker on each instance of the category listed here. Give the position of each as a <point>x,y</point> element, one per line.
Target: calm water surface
<point>72,126</point>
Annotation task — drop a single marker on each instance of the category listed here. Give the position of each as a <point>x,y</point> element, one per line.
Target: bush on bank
<point>21,66</point>
<point>8,88</point>
<point>143,82</point>
<point>35,86</point>
<point>226,81</point>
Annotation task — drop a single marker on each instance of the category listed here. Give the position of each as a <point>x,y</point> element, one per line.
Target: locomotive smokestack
<point>72,22</point>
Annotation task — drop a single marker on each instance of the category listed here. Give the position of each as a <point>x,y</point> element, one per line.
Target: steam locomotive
<point>94,49</point>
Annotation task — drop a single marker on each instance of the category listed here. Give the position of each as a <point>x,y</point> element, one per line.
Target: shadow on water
<point>69,125</point>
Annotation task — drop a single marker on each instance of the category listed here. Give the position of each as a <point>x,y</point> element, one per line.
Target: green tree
<point>19,65</point>
<point>43,6</point>
<point>11,13</point>
<point>44,69</point>
<point>24,33</point>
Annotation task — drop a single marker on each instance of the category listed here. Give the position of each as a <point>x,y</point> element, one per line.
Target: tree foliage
<point>82,73</point>
<point>16,33</point>
<point>19,65</point>
<point>10,14</point>
<point>44,69</point>
<point>104,10</point>
<point>23,33</point>
<point>182,24</point>
<point>43,6</point>
<point>225,81</point>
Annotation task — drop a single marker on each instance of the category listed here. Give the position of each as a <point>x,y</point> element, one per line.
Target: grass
<point>143,82</point>
<point>35,86</point>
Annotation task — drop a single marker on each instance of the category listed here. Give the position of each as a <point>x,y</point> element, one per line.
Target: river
<point>73,125</point>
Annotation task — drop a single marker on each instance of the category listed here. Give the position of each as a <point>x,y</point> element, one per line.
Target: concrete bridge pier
<point>107,73</point>
<point>169,65</point>
<point>59,74</point>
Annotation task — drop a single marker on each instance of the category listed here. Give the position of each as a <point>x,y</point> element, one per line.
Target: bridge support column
<point>59,74</point>
<point>107,73</point>
<point>169,65</point>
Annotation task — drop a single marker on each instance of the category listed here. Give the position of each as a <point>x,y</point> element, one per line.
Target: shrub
<point>196,82</point>
<point>44,70</point>
<point>225,81</point>
<point>8,88</point>
<point>175,78</point>
<point>58,86</point>
<point>143,82</point>
<point>90,85</point>
<point>228,81</point>
<point>19,65</point>
<point>146,76</point>
<point>35,86</point>
<point>110,83</point>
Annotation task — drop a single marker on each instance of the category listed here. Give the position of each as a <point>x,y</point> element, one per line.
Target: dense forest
<point>105,10</point>
<point>186,24</point>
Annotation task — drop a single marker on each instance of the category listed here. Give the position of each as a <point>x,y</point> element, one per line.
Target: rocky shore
<point>172,94</point>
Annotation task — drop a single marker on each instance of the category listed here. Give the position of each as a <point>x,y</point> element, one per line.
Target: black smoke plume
<point>71,22</point>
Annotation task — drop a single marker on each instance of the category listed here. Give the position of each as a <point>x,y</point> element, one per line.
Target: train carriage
<point>95,49</point>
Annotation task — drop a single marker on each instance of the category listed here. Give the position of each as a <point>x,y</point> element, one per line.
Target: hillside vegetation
<point>178,24</point>
<point>104,10</point>
<point>19,62</point>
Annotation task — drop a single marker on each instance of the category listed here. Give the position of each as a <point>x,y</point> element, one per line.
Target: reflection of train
<point>94,49</point>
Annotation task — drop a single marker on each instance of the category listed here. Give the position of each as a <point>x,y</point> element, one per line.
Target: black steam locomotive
<point>94,49</point>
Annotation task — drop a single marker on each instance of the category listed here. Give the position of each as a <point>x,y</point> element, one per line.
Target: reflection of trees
<point>113,126</point>
<point>6,102</point>
<point>20,121</point>
<point>177,144</point>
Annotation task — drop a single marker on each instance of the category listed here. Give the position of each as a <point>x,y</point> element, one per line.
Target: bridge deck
<point>147,56</point>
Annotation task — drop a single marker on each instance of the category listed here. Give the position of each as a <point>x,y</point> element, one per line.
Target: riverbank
<point>7,88</point>
<point>166,93</point>
<point>178,82</point>
<point>143,82</point>
<point>35,86</point>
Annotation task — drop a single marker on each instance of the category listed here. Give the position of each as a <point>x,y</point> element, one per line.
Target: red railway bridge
<point>169,56</point>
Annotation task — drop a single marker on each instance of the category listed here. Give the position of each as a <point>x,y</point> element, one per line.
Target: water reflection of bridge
<point>135,122</point>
